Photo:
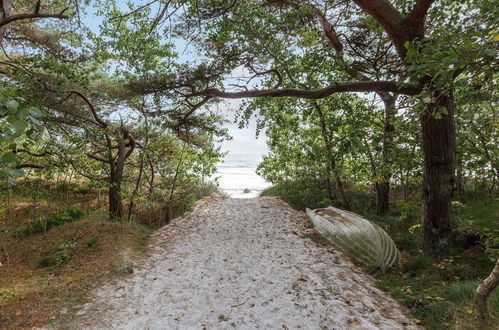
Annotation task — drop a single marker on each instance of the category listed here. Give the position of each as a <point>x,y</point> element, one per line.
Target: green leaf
<point>17,172</point>
<point>9,157</point>
<point>35,121</point>
<point>35,112</point>
<point>12,104</point>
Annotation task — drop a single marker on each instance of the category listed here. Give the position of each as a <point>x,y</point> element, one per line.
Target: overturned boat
<point>361,239</point>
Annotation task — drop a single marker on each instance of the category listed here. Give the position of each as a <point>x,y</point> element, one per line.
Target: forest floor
<point>245,264</point>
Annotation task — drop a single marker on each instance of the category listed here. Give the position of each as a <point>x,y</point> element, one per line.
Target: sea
<point>237,176</point>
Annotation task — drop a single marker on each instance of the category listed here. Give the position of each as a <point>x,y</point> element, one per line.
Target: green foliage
<point>300,195</point>
<point>19,123</point>
<point>61,256</point>
<point>41,226</point>
<point>131,40</point>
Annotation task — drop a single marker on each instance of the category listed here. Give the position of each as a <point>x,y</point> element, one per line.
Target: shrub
<point>41,226</point>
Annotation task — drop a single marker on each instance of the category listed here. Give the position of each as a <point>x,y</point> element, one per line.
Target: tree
<point>19,120</point>
<point>89,106</point>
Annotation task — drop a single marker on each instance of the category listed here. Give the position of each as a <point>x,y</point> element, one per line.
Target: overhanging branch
<point>359,86</point>
<point>35,166</point>
<point>12,18</point>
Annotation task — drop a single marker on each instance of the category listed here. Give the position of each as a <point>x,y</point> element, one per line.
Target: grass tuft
<point>42,226</point>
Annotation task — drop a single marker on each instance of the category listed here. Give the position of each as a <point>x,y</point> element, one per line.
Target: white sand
<point>242,264</point>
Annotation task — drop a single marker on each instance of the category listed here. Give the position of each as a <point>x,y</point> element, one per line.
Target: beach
<point>237,176</point>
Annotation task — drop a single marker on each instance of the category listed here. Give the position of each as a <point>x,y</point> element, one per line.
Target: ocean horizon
<point>237,175</point>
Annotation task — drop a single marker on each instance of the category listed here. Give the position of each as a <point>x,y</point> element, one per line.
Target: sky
<point>244,140</point>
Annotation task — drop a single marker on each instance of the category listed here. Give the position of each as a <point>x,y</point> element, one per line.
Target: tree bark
<point>116,178</point>
<point>115,202</point>
<point>383,197</point>
<point>483,292</point>
<point>5,8</point>
<point>439,144</point>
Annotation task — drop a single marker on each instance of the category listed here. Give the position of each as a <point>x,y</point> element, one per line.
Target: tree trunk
<point>483,292</point>
<point>383,187</point>
<point>383,197</point>
<point>115,202</point>
<point>341,191</point>
<point>141,168</point>
<point>177,172</point>
<point>438,177</point>
<point>137,186</point>
<point>329,186</point>
<point>117,168</point>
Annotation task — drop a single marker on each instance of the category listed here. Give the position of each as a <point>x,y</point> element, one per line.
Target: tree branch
<point>418,13</point>
<point>98,158</point>
<point>91,106</point>
<point>13,18</point>
<point>196,106</point>
<point>133,143</point>
<point>45,153</point>
<point>328,28</point>
<point>391,21</point>
<point>29,166</point>
<point>359,86</point>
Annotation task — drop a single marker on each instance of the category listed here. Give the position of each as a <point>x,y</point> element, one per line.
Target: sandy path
<point>242,264</point>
